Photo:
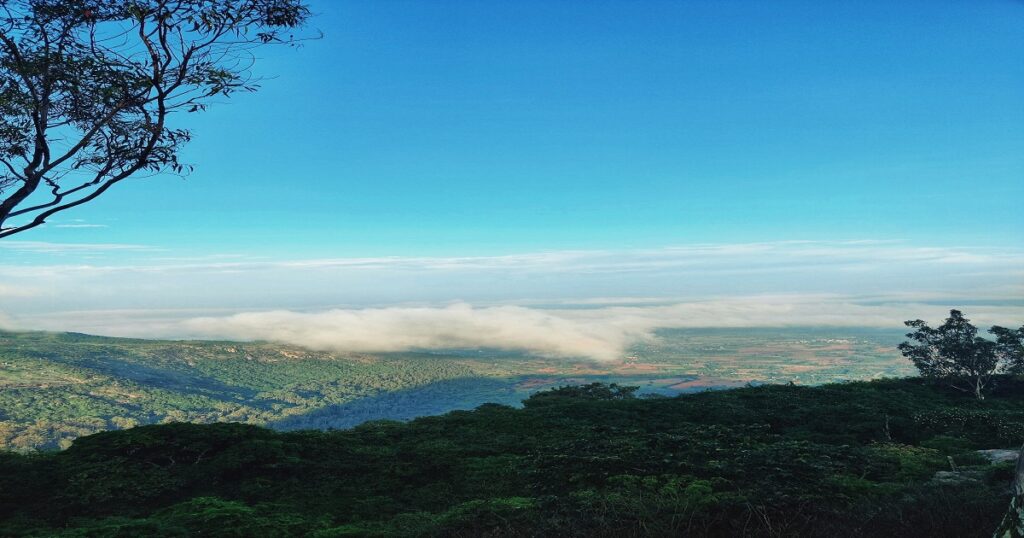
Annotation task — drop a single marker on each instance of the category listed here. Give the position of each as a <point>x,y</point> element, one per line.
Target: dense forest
<point>901,457</point>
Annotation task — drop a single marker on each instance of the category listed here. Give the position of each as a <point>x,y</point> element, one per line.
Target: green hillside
<point>851,459</point>
<point>55,387</point>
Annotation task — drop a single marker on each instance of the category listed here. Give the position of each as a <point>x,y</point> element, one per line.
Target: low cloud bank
<point>602,333</point>
<point>402,329</point>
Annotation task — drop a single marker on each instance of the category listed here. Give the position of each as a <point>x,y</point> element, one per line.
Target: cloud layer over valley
<point>598,333</point>
<point>561,304</point>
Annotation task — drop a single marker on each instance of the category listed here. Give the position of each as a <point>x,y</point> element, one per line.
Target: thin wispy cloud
<point>745,257</point>
<point>8,291</point>
<point>55,248</point>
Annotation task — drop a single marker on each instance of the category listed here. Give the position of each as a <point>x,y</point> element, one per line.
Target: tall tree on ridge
<point>953,353</point>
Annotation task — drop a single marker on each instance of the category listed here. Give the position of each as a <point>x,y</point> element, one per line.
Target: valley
<point>55,387</point>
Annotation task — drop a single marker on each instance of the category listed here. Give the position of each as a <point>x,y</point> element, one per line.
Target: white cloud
<point>597,333</point>
<point>400,329</point>
<point>54,248</point>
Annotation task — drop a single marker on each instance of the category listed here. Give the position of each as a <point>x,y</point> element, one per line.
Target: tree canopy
<point>87,88</point>
<point>1010,347</point>
<point>842,460</point>
<point>953,352</point>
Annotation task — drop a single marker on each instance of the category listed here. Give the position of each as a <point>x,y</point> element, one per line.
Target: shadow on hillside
<point>432,399</point>
<point>184,383</point>
<point>462,393</point>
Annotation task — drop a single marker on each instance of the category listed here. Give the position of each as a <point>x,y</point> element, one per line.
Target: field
<point>57,387</point>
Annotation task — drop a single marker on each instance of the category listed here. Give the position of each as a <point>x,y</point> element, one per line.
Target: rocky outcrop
<point>1000,455</point>
<point>953,478</point>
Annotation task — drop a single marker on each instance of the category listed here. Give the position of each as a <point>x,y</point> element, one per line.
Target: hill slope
<point>838,460</point>
<point>55,387</point>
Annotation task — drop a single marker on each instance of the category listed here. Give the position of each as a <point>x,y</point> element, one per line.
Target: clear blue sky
<point>484,127</point>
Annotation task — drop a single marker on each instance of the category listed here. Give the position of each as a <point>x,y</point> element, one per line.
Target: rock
<point>999,455</point>
<point>955,477</point>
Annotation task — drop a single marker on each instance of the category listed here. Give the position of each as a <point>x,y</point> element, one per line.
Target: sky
<point>442,169</point>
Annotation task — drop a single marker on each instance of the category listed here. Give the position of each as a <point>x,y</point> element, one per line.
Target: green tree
<point>1010,347</point>
<point>87,88</point>
<point>592,391</point>
<point>954,353</point>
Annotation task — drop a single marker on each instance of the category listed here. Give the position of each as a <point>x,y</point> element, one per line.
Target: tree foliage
<point>87,88</point>
<point>954,353</point>
<point>590,391</point>
<point>842,460</point>
<point>1010,347</point>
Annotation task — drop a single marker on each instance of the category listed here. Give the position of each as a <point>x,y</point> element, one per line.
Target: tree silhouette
<point>1010,348</point>
<point>87,87</point>
<point>954,353</point>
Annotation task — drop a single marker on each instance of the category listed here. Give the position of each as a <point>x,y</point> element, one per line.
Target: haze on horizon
<point>565,178</point>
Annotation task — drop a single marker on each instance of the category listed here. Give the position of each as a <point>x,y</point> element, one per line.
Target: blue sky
<point>491,127</point>
<point>443,129</point>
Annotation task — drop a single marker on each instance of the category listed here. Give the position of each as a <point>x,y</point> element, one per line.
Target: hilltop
<point>848,459</point>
